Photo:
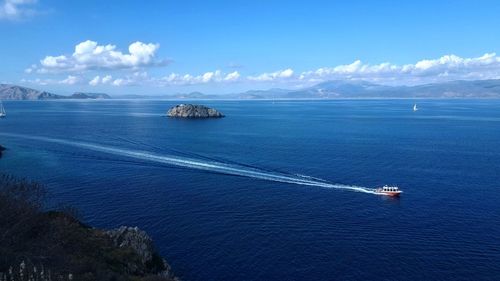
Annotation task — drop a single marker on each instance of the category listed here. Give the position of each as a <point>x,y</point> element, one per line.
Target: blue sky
<point>231,46</point>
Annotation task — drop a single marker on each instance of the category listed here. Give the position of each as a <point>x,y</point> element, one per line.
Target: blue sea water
<point>191,184</point>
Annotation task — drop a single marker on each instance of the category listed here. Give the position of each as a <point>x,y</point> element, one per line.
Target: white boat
<point>415,107</point>
<point>2,110</point>
<point>389,191</point>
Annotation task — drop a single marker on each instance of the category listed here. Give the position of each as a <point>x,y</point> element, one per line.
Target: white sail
<point>2,110</point>
<point>415,107</point>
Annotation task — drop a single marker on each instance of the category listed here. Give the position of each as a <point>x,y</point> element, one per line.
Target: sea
<point>278,190</point>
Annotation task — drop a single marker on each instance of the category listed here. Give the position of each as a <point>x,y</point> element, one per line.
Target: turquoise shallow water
<point>255,196</point>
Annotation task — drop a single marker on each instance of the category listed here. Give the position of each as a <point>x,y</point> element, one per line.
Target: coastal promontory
<point>193,111</point>
<point>45,245</point>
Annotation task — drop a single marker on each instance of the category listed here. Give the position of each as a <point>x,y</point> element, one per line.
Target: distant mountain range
<point>363,89</point>
<point>13,92</point>
<point>326,90</point>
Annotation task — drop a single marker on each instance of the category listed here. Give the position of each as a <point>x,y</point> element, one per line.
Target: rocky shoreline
<point>138,240</point>
<point>139,261</point>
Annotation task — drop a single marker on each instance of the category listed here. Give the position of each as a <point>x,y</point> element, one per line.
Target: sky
<point>221,47</point>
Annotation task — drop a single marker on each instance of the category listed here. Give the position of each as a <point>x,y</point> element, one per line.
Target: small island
<point>193,111</point>
<point>85,96</point>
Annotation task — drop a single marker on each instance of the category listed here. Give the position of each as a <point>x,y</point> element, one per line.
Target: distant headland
<point>193,111</point>
<point>14,92</point>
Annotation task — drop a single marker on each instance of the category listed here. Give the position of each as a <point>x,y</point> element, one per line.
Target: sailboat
<point>415,107</point>
<point>2,110</point>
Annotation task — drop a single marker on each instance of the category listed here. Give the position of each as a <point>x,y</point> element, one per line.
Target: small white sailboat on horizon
<point>415,107</point>
<point>2,110</point>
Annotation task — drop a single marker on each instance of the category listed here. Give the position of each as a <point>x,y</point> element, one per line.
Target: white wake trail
<point>212,166</point>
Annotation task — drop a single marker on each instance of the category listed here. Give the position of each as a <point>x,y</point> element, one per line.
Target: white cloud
<point>70,80</point>
<point>233,76</point>
<point>89,55</point>
<point>95,81</point>
<point>16,9</point>
<point>106,79</point>
<point>278,75</point>
<point>188,79</point>
<point>119,82</point>
<point>98,80</point>
<point>207,77</point>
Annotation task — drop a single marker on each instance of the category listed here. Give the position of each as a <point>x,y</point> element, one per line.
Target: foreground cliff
<point>193,111</point>
<point>54,245</point>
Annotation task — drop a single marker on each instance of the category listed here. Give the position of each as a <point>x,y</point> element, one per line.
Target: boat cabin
<point>390,188</point>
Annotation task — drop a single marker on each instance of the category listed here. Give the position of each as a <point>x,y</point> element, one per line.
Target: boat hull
<point>390,193</point>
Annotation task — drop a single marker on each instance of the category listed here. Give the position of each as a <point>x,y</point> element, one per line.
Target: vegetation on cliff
<point>54,245</point>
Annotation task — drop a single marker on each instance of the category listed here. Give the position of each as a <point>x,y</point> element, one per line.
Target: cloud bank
<point>89,55</point>
<point>448,67</point>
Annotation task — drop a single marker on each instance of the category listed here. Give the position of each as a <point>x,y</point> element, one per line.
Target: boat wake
<point>201,163</point>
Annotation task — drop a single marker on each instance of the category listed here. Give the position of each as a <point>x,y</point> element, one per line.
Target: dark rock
<point>134,238</point>
<point>139,241</point>
<point>193,111</point>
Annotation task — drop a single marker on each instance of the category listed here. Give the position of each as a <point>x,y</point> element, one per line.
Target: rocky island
<point>193,111</point>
